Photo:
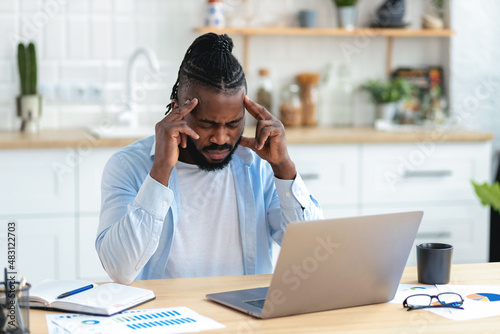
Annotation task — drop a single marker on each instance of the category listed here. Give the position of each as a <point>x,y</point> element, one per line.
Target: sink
<point>122,132</point>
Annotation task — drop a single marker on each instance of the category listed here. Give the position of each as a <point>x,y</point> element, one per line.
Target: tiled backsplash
<point>88,42</point>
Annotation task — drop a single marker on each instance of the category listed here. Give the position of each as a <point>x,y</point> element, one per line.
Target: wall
<point>475,72</point>
<point>86,44</point>
<point>82,43</point>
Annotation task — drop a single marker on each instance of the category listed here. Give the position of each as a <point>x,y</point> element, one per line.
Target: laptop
<point>330,264</point>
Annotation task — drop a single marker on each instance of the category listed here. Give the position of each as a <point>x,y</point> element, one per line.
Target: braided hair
<point>210,63</point>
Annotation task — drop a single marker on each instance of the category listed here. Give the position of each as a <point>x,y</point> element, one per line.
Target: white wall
<point>81,41</point>
<point>475,68</point>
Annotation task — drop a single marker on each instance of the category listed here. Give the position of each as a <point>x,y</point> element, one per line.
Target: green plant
<point>26,62</point>
<point>387,91</point>
<point>488,194</point>
<point>345,3</point>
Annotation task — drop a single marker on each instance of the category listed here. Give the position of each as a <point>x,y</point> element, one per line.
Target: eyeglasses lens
<point>451,299</point>
<point>419,301</point>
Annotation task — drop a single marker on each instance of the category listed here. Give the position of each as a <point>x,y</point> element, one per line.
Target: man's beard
<point>202,162</point>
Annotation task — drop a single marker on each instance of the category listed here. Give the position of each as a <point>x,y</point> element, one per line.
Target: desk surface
<point>379,318</point>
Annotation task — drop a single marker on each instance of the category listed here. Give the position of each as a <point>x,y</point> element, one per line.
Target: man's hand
<point>269,142</point>
<point>171,132</point>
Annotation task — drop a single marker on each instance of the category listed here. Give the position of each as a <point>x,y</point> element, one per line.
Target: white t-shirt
<point>207,239</point>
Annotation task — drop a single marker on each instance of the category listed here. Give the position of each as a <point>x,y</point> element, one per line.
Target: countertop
<point>81,138</point>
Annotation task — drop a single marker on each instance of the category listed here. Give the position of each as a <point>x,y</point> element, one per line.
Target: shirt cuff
<point>291,192</point>
<point>154,198</point>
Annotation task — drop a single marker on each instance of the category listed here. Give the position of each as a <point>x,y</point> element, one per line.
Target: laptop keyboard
<point>259,303</point>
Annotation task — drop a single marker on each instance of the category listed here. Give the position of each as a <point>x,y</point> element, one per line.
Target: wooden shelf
<point>331,32</point>
<point>388,33</point>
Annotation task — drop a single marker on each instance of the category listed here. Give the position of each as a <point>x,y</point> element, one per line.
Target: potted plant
<point>489,194</point>
<point>346,13</point>
<point>386,95</point>
<point>29,103</point>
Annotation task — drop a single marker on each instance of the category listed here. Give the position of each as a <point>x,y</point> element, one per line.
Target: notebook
<point>331,264</point>
<point>105,299</point>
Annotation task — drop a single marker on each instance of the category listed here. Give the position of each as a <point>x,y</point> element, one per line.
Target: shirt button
<point>288,194</point>
<point>155,239</point>
<point>165,203</point>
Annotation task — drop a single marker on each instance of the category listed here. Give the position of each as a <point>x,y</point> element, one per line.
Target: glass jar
<point>309,96</point>
<point>265,90</point>
<point>291,106</point>
<point>344,98</point>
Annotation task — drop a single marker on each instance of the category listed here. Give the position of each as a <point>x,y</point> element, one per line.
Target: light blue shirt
<point>139,215</point>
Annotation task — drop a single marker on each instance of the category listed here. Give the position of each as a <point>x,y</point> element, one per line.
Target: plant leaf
<point>488,194</point>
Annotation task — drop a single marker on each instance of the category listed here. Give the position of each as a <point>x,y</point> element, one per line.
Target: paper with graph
<point>160,320</point>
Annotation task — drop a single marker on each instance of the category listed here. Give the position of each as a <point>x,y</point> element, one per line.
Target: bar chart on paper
<point>162,320</point>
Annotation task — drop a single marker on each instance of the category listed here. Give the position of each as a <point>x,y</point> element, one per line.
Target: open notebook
<point>105,299</point>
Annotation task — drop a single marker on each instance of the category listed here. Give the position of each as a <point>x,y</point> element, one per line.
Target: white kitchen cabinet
<point>89,179</point>
<point>330,173</point>
<point>423,172</point>
<point>89,205</point>
<point>37,182</point>
<point>434,178</point>
<point>45,248</point>
<point>89,265</point>
<point>54,194</point>
<point>363,179</point>
<point>464,227</point>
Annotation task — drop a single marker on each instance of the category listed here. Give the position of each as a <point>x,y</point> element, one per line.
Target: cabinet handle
<point>427,173</point>
<point>309,176</point>
<point>434,235</point>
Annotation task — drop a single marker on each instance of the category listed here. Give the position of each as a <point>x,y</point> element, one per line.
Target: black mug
<point>434,263</point>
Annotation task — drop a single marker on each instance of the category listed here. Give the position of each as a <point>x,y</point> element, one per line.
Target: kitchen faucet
<point>129,116</point>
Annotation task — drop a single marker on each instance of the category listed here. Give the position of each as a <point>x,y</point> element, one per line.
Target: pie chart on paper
<point>484,297</point>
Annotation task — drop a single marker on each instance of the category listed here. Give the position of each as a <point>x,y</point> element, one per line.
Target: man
<point>190,201</point>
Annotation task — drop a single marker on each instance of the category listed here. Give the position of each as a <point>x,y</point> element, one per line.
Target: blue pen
<point>72,292</point>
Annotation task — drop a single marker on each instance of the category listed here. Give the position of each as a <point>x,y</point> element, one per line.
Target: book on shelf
<point>105,299</point>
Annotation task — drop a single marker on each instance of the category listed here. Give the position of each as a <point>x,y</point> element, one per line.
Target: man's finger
<point>247,142</point>
<point>183,110</point>
<point>256,110</point>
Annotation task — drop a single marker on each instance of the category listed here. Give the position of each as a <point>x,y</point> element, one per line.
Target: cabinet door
<point>45,248</point>
<point>423,172</point>
<point>89,265</point>
<point>37,182</point>
<point>330,173</point>
<point>464,227</point>
<point>89,177</point>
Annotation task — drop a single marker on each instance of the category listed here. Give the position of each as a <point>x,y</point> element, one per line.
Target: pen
<point>72,292</point>
<point>20,319</point>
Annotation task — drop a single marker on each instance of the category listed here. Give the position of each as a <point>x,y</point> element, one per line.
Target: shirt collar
<point>243,153</point>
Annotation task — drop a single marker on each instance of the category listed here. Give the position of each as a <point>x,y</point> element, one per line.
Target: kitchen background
<point>84,46</point>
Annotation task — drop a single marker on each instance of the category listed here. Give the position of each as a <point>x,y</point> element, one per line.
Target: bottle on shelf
<point>309,95</point>
<point>343,98</point>
<point>265,90</point>
<point>215,14</point>
<point>326,99</point>
<point>291,106</point>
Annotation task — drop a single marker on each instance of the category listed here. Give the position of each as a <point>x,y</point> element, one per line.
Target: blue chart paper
<point>161,320</point>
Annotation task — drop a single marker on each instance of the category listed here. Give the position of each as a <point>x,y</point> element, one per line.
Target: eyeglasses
<point>445,299</point>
